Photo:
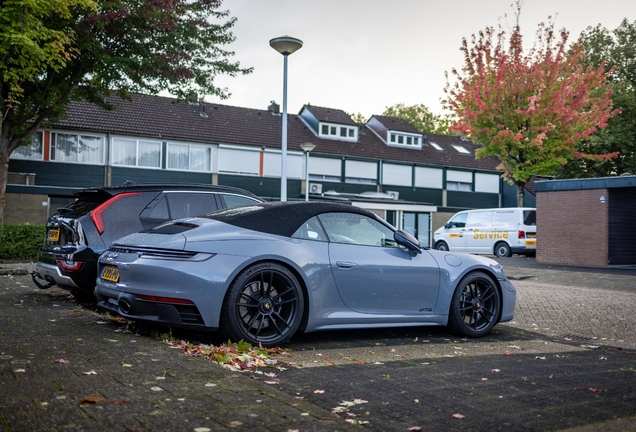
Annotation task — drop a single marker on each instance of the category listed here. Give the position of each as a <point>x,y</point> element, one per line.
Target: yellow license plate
<point>532,235</point>
<point>54,234</point>
<point>110,273</point>
<point>531,242</point>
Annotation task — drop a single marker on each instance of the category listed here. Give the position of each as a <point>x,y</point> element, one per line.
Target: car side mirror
<point>408,241</point>
<point>447,225</point>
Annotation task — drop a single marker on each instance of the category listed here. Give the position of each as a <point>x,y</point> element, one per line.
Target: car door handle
<point>346,264</point>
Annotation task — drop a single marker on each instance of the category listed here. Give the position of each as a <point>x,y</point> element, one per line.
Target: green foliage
<point>616,51</point>
<point>420,117</point>
<point>21,241</point>
<point>57,51</point>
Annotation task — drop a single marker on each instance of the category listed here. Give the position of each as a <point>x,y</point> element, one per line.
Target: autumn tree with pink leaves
<point>528,109</point>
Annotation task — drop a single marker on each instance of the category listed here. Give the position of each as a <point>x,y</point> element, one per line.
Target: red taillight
<point>165,299</point>
<point>70,265</point>
<point>521,234</point>
<point>96,214</point>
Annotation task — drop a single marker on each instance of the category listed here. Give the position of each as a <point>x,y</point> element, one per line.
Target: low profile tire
<point>502,250</point>
<point>475,306</point>
<point>263,306</point>
<point>442,246</point>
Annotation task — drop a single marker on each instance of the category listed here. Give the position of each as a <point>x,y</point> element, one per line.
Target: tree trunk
<point>520,193</point>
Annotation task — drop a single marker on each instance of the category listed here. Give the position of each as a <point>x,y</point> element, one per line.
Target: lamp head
<point>286,44</point>
<point>307,147</point>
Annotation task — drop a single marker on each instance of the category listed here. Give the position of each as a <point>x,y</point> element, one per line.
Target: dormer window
<point>405,139</point>
<point>335,131</point>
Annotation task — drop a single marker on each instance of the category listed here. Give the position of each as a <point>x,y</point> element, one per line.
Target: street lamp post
<point>285,45</point>
<point>307,147</point>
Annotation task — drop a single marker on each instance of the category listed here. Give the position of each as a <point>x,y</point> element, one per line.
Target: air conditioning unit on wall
<point>393,194</point>
<point>315,188</point>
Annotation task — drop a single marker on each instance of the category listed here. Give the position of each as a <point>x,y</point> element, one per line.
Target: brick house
<point>587,222</point>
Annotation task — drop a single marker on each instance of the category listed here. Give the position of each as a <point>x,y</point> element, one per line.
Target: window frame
<point>338,131</point>
<point>53,150</point>
<point>16,155</point>
<point>137,141</point>
<point>208,147</point>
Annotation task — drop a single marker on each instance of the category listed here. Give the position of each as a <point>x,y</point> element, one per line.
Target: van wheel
<point>502,250</point>
<point>442,246</point>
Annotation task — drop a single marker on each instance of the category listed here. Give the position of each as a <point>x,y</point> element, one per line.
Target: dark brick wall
<point>572,227</point>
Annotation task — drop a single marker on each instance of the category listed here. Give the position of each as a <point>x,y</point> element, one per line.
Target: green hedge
<point>21,241</point>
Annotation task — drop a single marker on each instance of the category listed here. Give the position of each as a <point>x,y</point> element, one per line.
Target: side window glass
<point>157,210</point>
<point>458,221</point>
<point>311,230</point>
<point>232,201</point>
<point>190,204</point>
<point>480,219</point>
<point>356,229</point>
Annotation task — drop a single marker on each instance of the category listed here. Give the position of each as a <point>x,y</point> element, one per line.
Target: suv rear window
<point>81,207</point>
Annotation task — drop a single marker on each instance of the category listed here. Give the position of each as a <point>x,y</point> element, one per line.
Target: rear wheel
<point>263,306</point>
<point>475,306</point>
<point>502,250</point>
<point>441,246</point>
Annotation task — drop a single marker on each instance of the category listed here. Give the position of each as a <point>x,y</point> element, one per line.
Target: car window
<point>311,230</point>
<point>237,200</point>
<point>356,229</point>
<point>458,221</point>
<point>529,217</point>
<point>157,210</point>
<point>190,204</point>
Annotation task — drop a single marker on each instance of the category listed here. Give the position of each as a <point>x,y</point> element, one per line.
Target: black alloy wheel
<point>263,306</point>
<point>475,306</point>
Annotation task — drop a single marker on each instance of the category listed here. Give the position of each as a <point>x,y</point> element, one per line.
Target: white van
<point>501,231</point>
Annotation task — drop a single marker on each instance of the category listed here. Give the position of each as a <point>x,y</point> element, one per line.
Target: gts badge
<point>426,310</point>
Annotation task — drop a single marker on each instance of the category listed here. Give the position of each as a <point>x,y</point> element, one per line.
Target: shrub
<point>21,241</point>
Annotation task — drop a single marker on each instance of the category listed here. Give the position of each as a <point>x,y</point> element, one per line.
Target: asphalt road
<point>567,362</point>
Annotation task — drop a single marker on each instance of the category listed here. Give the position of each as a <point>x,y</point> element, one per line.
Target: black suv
<point>76,235</point>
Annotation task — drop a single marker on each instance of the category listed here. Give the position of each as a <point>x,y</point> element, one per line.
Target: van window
<point>506,219</point>
<point>458,221</point>
<point>529,217</point>
<point>480,219</point>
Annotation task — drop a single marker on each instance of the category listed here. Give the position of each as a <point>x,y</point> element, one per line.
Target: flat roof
<point>623,181</point>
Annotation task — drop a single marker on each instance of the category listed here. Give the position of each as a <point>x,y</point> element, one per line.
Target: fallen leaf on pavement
<point>91,400</point>
<point>414,429</point>
<point>90,373</point>
<point>62,361</point>
<point>120,402</point>
<point>271,382</point>
<point>590,389</point>
<point>319,391</point>
<point>458,416</point>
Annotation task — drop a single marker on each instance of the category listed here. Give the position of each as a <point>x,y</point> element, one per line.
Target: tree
<point>528,109</point>
<point>55,52</point>
<point>617,51</point>
<point>420,117</point>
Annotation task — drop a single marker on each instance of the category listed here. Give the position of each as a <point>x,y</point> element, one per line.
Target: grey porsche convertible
<point>263,272</point>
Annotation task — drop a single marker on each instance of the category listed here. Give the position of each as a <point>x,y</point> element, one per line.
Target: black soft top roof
<point>280,218</point>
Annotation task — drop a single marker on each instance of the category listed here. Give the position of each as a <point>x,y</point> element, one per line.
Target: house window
<point>338,131</point>
<point>404,139</point>
<point>459,186</point>
<point>131,152</point>
<point>436,146</point>
<point>77,148</point>
<point>32,151</point>
<point>189,157</point>
<point>460,148</point>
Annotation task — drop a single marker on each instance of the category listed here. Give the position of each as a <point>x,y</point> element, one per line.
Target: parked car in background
<point>79,233</point>
<point>501,231</point>
<point>262,272</point>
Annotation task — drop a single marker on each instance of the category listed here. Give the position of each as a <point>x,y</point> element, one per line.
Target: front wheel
<point>442,246</point>
<point>263,306</point>
<point>475,306</point>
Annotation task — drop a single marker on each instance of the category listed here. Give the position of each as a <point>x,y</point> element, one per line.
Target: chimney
<point>274,108</point>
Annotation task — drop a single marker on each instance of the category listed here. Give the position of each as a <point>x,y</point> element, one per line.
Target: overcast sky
<point>364,55</point>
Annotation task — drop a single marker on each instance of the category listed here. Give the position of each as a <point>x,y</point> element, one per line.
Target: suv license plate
<point>54,234</point>
<point>110,273</point>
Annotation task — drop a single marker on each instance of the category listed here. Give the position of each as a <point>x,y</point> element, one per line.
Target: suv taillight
<point>521,234</point>
<point>97,213</point>
<point>70,265</point>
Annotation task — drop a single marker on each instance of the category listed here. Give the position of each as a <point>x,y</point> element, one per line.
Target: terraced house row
<point>414,180</point>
